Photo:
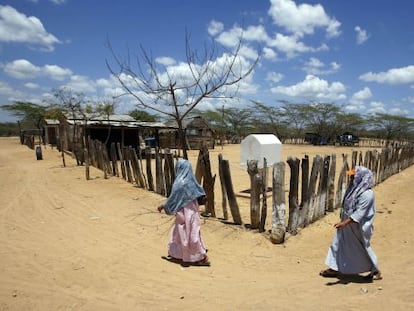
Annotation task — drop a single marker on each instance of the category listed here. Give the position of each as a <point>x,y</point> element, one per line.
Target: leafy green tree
<point>322,118</point>
<point>350,122</point>
<point>238,122</point>
<point>142,115</point>
<point>391,127</point>
<point>9,129</point>
<point>267,119</point>
<point>106,108</point>
<point>28,113</point>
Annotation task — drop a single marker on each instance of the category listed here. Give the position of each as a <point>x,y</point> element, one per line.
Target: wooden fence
<point>318,195</point>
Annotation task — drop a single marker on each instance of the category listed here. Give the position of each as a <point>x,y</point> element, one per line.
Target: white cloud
<point>364,94</point>
<point>58,1</point>
<point>409,99</point>
<point>6,89</point>
<point>274,77</point>
<point>316,67</point>
<point>376,107</point>
<point>166,61</point>
<point>255,33</point>
<point>230,38</point>
<point>362,35</point>
<point>81,84</point>
<point>303,18</point>
<point>361,96</point>
<point>269,53</point>
<point>313,88</point>
<point>393,76</point>
<point>31,85</point>
<point>17,27</point>
<point>23,69</point>
<point>56,72</point>
<point>248,52</point>
<point>215,27</point>
<point>291,46</point>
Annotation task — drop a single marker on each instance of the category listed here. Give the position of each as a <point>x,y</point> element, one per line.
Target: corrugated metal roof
<point>130,124</point>
<point>52,121</point>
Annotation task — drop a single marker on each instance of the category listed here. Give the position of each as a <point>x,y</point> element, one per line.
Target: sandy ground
<point>71,244</point>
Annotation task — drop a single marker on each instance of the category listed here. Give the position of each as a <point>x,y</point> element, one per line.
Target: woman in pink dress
<point>186,245</point>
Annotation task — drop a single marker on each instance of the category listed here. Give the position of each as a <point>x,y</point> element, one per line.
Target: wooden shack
<point>121,129</point>
<point>197,132</point>
<point>51,131</point>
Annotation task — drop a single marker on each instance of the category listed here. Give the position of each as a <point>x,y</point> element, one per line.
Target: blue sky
<point>357,54</point>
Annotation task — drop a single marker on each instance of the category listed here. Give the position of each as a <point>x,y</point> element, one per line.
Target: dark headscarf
<point>184,189</point>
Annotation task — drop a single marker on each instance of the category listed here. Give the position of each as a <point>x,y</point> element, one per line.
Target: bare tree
<point>106,108</point>
<point>74,104</point>
<point>175,91</point>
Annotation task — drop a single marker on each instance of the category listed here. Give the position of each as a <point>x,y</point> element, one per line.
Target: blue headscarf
<point>184,189</point>
<point>363,180</point>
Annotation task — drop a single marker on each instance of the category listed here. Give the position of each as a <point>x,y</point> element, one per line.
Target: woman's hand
<point>343,224</point>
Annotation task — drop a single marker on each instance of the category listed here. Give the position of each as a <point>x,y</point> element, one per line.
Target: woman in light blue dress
<point>351,251</point>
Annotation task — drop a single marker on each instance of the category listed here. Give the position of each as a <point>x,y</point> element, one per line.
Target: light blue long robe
<point>351,251</point>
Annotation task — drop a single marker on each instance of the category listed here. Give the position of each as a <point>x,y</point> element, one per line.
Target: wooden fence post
<point>255,186</point>
<point>293,195</point>
<point>127,159</point>
<point>277,235</point>
<point>304,205</point>
<point>313,199</point>
<point>234,207</point>
<point>342,182</point>
<point>149,171</point>
<point>264,197</point>
<point>223,188</point>
<point>121,160</point>
<point>114,158</point>
<point>159,173</point>
<point>169,171</point>
<point>330,202</point>
<point>204,168</point>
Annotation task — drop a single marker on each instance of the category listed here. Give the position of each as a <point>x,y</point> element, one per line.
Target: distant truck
<point>348,139</point>
<point>316,139</point>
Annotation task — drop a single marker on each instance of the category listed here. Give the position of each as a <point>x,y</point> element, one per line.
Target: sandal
<point>329,273</point>
<point>376,276</point>
<point>201,263</point>
<point>171,259</point>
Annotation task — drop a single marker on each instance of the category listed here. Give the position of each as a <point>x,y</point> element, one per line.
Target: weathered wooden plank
<point>234,207</point>
<point>255,186</point>
<point>278,206</point>
<point>293,195</point>
<point>223,188</point>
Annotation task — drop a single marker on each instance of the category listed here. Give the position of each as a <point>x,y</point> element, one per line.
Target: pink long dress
<point>186,242</point>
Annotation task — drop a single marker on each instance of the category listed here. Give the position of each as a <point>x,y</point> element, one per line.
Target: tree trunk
<point>181,137</point>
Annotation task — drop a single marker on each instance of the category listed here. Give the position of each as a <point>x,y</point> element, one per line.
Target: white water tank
<point>259,146</point>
